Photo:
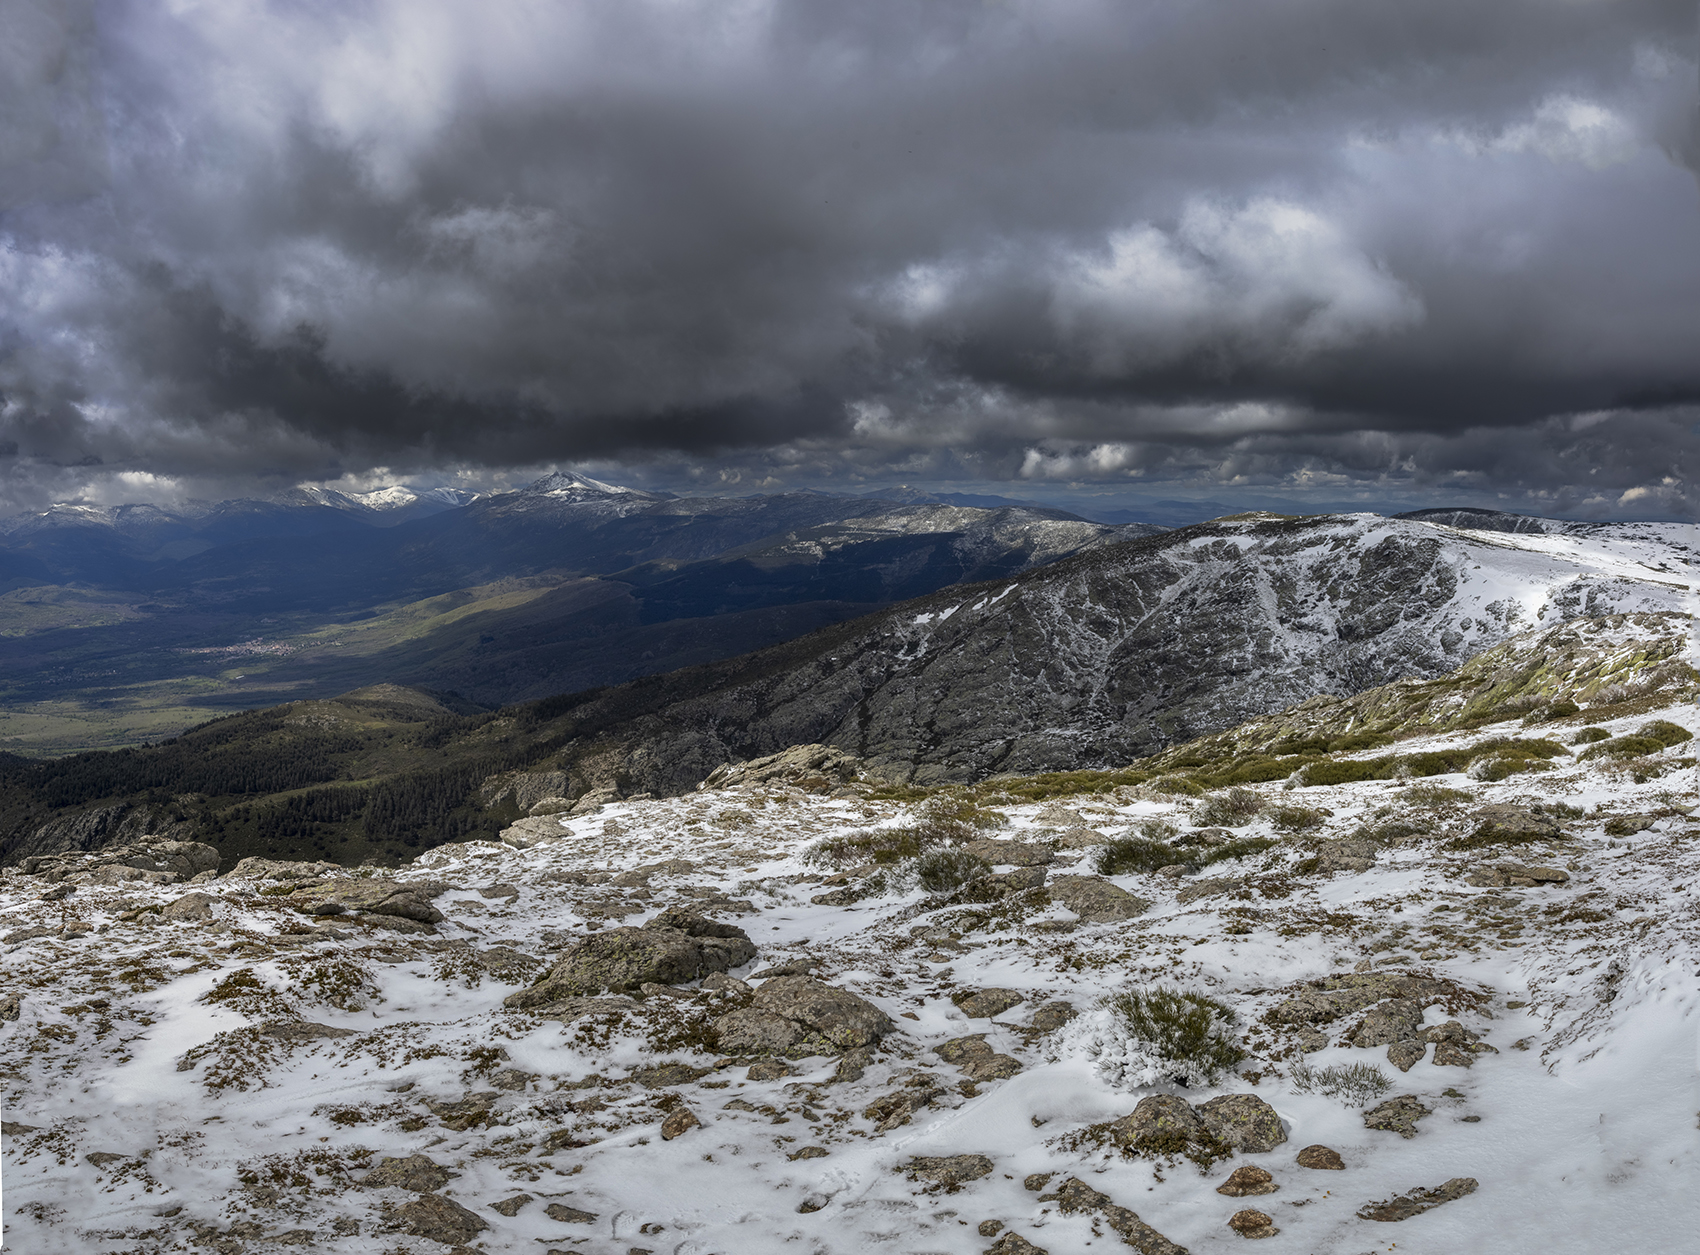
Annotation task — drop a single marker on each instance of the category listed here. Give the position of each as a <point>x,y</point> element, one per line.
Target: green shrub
<point>1187,1031</point>
<point>1235,849</point>
<point>1561,709</point>
<point>1134,854</point>
<point>958,807</point>
<point>1624,747</point>
<point>1233,809</point>
<point>1587,736</point>
<point>1665,732</point>
<point>1296,818</point>
<point>941,871</point>
<point>889,845</point>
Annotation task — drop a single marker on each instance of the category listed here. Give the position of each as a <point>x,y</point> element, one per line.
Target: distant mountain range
<point>567,583</point>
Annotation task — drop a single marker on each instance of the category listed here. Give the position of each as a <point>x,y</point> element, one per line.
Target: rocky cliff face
<point>1121,651</point>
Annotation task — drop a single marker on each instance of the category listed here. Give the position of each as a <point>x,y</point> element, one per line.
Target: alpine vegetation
<point>1154,1036</point>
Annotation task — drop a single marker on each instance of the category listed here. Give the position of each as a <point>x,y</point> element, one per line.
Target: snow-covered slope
<point>1129,647</point>
<point>227,1074</point>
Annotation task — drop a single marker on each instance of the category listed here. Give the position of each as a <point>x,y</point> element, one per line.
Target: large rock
<point>674,947</point>
<point>418,1173</point>
<point>1504,821</point>
<point>439,1219</point>
<point>798,1016</point>
<point>374,895</point>
<point>1395,1020</point>
<point>1161,1120</point>
<point>153,860</point>
<point>1324,1001</point>
<point>1011,853</point>
<point>1096,900</point>
<point>1243,1121</point>
<point>815,766</point>
<point>525,833</point>
<point>282,870</point>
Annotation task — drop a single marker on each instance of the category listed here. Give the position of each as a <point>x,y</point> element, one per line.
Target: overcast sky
<point>1317,250</point>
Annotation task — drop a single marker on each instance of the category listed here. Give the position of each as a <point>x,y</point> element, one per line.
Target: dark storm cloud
<point>1292,243</point>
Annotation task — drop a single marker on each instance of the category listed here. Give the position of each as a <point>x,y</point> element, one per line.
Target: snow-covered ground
<point>132,1126</point>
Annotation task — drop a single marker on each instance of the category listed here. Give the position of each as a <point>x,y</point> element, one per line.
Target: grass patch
<point>887,846</point>
<point>1354,1084</point>
<point>1134,854</point>
<point>1053,784</point>
<point>1297,818</point>
<point>1588,736</point>
<point>1186,1030</point>
<point>1434,796</point>
<point>1234,808</point>
<point>1242,848</point>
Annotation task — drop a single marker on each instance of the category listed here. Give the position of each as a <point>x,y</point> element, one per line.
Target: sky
<point>1249,251</point>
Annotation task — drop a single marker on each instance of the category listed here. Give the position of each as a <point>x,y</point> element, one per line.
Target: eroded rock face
<point>798,1016</point>
<point>1096,900</point>
<point>816,765</point>
<point>153,860</point>
<point>674,947</point>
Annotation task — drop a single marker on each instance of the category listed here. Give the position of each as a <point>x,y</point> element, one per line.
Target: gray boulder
<point>1395,1020</point>
<point>1243,1121</point>
<point>674,947</point>
<point>798,1016</point>
<point>1096,900</point>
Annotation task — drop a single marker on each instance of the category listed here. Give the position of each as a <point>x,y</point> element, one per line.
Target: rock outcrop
<point>798,1016</point>
<point>672,948</point>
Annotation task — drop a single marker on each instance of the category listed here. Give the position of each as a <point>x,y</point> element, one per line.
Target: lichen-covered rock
<point>1416,1202</point>
<point>1252,1224</point>
<point>948,1171</point>
<point>999,853</point>
<point>1397,1115</point>
<point>439,1219</point>
<point>674,947</point>
<point>1324,1001</point>
<point>798,1016</point>
<point>1243,1121</point>
<point>962,1050</point>
<point>1395,1020</point>
<point>1096,900</point>
<point>1321,1157</point>
<point>679,1121</point>
<point>191,906</point>
<point>1247,1181</point>
<point>1158,1119</point>
<point>1050,1016</point>
<point>1504,820</point>
<point>803,765</point>
<point>1406,1054</point>
<point>983,1004</point>
<point>418,1173</point>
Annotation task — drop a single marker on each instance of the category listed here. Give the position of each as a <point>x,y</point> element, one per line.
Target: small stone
<point>1036,1181</point>
<point>1252,1224</point>
<point>1322,1157</point>
<point>990,1228</point>
<point>510,1206</point>
<point>1404,1054</point>
<point>1246,1181</point>
<point>1050,1016</point>
<point>679,1121</point>
<point>962,1050</point>
<point>1243,1121</point>
<point>569,1215</point>
<point>809,1152</point>
<point>512,1079</point>
<point>1397,1115</point>
<point>986,1003</point>
<point>768,1070</point>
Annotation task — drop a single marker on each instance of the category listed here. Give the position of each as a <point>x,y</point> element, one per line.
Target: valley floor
<point>227,1079</point>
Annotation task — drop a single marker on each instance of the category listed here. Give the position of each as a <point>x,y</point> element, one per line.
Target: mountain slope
<point>1125,649</point>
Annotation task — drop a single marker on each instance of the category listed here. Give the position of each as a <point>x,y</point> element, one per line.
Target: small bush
<point>1352,1083</point>
<point>1434,795</point>
<point>1624,747</point>
<point>1134,854</point>
<point>941,871</point>
<point>1235,849</point>
<point>1189,1033</point>
<point>959,808</point>
<point>1234,808</point>
<point>1587,736</point>
<point>889,845</point>
<point>1296,818</point>
<point>1665,732</point>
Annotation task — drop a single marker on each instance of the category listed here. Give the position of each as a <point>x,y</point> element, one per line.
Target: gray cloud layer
<point>1322,245</point>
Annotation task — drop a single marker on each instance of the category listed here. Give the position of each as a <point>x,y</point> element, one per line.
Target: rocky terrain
<point>1414,968</point>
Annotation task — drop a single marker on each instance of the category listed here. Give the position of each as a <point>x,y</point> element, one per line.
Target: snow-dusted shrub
<point>1232,808</point>
<point>1149,1036</point>
<point>1241,848</point>
<point>1144,849</point>
<point>940,871</point>
<point>1296,818</point>
<point>1352,1083</point>
<point>1587,736</point>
